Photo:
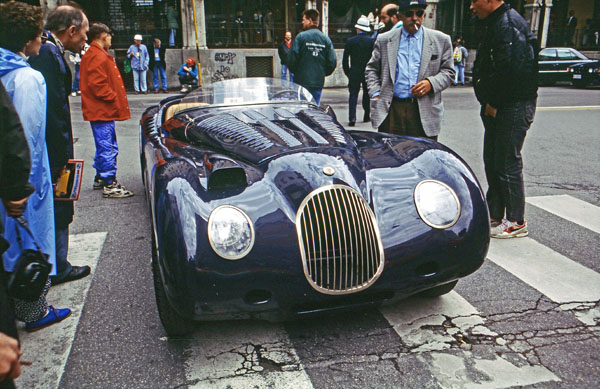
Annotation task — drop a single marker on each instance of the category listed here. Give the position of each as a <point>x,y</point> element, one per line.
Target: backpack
<point>457,55</point>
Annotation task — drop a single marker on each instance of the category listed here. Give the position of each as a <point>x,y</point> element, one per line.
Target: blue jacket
<point>193,71</point>
<point>357,53</point>
<point>27,90</point>
<point>141,62</point>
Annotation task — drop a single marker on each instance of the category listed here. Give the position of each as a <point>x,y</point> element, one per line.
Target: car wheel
<point>579,84</point>
<point>174,324</point>
<point>438,290</point>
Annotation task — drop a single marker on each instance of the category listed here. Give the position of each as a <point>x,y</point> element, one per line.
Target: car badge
<point>328,171</point>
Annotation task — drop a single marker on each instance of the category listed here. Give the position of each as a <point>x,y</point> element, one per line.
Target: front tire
<point>438,290</point>
<point>174,324</point>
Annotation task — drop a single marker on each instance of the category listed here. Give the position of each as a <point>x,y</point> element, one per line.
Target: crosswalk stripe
<point>571,209</point>
<point>429,326</point>
<point>560,279</point>
<point>570,108</point>
<point>49,349</point>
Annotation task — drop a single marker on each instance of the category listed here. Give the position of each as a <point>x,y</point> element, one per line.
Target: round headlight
<point>437,204</point>
<point>230,232</point>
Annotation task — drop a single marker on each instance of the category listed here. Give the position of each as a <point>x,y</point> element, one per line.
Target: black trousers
<point>354,88</point>
<point>502,144</point>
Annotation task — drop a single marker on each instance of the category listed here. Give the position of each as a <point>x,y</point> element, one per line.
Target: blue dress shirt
<point>408,63</point>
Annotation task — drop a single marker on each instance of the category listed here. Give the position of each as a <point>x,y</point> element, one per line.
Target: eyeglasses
<point>409,14</point>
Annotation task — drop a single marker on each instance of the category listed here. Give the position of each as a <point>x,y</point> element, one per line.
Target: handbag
<point>30,274</point>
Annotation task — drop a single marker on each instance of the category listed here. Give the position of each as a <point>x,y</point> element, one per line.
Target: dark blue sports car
<point>263,206</point>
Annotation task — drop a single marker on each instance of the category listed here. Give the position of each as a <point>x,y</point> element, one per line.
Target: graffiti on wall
<point>223,72</point>
<point>225,57</point>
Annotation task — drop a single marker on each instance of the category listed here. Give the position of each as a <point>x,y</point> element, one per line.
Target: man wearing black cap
<point>409,69</point>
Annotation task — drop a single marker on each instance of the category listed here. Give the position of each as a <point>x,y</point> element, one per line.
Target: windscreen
<point>241,91</point>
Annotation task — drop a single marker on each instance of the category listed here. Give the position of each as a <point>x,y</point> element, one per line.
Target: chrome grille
<point>339,241</point>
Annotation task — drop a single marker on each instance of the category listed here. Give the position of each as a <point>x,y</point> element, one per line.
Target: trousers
<point>502,143</point>
<point>354,88</point>
<point>139,80</point>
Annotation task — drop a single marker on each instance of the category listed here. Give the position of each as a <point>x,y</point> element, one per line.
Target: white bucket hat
<point>137,37</point>
<point>363,24</point>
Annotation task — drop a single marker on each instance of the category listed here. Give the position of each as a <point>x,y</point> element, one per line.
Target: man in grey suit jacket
<point>407,72</point>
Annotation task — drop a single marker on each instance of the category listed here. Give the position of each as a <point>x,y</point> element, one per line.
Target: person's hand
<point>186,69</point>
<point>10,368</point>
<point>490,111</point>
<point>15,207</point>
<point>421,88</point>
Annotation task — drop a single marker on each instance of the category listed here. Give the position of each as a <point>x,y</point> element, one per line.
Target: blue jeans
<point>139,80</point>
<point>316,92</point>
<point>502,143</point>
<point>75,86</point>
<point>63,267</point>
<point>159,71</point>
<point>284,71</point>
<point>105,161</point>
<point>460,73</point>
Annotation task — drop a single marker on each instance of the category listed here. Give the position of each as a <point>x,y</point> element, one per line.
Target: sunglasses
<point>409,14</point>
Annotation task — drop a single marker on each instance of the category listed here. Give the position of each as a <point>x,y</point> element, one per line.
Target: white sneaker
<point>115,190</point>
<point>73,94</point>
<point>508,229</point>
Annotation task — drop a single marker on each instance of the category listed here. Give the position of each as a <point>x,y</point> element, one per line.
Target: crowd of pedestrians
<point>37,145</point>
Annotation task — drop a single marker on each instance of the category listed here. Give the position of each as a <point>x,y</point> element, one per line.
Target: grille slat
<point>339,241</point>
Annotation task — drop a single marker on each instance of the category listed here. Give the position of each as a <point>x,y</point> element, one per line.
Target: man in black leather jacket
<point>505,78</point>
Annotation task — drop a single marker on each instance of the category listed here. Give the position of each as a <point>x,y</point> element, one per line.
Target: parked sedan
<point>554,62</point>
<point>263,206</point>
<point>585,74</point>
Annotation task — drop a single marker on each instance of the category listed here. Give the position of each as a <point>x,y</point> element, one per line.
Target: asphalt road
<point>529,317</point>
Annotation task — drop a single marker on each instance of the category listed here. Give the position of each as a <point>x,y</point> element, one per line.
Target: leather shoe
<point>351,124</point>
<point>76,273</point>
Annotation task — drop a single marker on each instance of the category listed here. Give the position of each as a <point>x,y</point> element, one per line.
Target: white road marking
<point>569,108</point>
<point>556,276</point>
<point>248,354</point>
<point>560,279</point>
<point>49,348</point>
<point>432,325</point>
<point>570,208</point>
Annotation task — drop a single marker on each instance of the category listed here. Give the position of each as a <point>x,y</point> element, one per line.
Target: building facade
<point>239,38</point>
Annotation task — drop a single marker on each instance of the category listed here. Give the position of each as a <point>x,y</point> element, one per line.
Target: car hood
<point>258,133</point>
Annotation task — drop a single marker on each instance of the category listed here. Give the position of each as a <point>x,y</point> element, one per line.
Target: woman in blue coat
<point>27,89</point>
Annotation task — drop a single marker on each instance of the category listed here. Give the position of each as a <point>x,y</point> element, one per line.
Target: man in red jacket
<point>103,100</point>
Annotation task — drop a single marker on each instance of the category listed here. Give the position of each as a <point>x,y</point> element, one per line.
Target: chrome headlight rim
<point>250,225</point>
<point>420,212</point>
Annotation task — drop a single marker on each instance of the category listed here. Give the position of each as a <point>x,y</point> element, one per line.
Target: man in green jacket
<point>312,57</point>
